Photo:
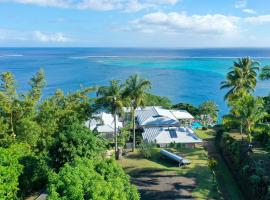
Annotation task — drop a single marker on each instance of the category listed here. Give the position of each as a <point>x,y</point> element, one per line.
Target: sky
<point>135,23</point>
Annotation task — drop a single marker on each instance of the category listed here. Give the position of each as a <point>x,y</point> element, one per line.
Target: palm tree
<point>265,73</point>
<point>135,88</point>
<point>111,97</point>
<point>241,79</point>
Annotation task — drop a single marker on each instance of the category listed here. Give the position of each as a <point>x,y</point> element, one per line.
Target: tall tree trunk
<point>241,129</point>
<point>249,134</point>
<point>12,125</point>
<point>134,130</point>
<point>115,136</point>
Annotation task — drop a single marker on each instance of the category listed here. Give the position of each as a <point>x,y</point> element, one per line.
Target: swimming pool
<point>196,125</point>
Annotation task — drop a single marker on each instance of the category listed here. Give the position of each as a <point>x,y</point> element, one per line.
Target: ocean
<point>183,75</point>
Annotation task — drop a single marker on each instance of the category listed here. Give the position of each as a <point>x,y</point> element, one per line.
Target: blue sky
<point>135,23</point>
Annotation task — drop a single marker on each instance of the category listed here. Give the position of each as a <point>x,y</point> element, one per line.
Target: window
<point>173,133</point>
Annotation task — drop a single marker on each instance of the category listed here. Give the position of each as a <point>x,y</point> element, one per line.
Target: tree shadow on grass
<point>159,184</point>
<point>164,195</point>
<point>204,182</point>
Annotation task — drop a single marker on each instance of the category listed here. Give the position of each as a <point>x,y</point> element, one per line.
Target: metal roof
<point>164,135</point>
<point>103,123</point>
<point>156,116</point>
<point>182,114</point>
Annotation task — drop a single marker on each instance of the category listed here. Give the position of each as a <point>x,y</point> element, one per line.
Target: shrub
<point>75,140</point>
<point>91,179</point>
<point>146,149</point>
<point>10,170</point>
<point>34,175</point>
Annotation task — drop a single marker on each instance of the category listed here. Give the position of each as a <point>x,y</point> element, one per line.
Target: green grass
<point>197,170</point>
<point>204,134</point>
<point>225,179</point>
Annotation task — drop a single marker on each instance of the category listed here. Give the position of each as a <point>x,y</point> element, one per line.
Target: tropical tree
<point>135,90</point>
<point>110,97</point>
<point>209,112</point>
<point>74,140</point>
<point>250,110</point>
<point>265,73</point>
<point>11,169</point>
<point>8,95</point>
<point>91,179</point>
<point>241,79</point>
<point>154,100</point>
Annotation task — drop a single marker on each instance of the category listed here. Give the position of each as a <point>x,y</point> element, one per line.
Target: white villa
<point>104,124</point>
<point>164,126</point>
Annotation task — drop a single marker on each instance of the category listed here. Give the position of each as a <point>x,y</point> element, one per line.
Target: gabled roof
<point>182,114</point>
<point>168,135</point>
<point>156,116</point>
<point>103,122</point>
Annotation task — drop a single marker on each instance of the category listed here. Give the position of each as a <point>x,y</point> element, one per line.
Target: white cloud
<point>261,19</point>
<point>136,5</point>
<point>32,36</point>
<point>103,5</point>
<point>181,22</point>
<point>240,4</point>
<point>249,11</point>
<point>52,37</point>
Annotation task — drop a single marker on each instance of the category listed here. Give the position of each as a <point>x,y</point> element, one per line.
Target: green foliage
<point>34,176</point>
<point>250,111</point>
<point>188,107</point>
<point>111,98</point>
<point>146,149</point>
<point>28,131</point>
<point>265,73</point>
<point>209,112</point>
<point>89,179</point>
<point>123,137</point>
<point>74,140</point>
<point>154,100</point>
<point>242,78</point>
<point>136,96</point>
<point>11,169</point>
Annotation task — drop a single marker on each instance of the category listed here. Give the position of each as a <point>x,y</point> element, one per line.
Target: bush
<point>146,149</point>
<point>34,176</point>
<point>91,179</point>
<point>179,146</point>
<point>75,140</point>
<point>10,170</point>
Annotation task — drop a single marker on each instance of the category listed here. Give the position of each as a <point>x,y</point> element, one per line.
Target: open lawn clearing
<point>157,178</point>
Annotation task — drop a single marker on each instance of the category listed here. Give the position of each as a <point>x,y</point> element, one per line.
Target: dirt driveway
<point>159,185</point>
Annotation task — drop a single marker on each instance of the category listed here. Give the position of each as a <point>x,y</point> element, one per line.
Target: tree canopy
<point>91,179</point>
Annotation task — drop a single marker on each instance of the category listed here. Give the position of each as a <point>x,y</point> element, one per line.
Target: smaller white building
<point>164,136</point>
<point>104,124</point>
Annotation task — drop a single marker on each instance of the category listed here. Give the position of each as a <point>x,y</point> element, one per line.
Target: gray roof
<point>156,116</point>
<point>168,135</point>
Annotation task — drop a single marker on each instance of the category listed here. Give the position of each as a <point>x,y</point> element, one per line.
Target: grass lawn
<point>204,134</point>
<point>224,177</point>
<point>226,181</point>
<point>198,170</point>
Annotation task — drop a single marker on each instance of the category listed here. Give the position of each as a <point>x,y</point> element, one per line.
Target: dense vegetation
<point>249,116</point>
<point>44,144</point>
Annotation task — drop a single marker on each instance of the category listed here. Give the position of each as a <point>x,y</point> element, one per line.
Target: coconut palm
<point>265,73</point>
<point>111,98</point>
<point>135,88</point>
<point>241,79</point>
